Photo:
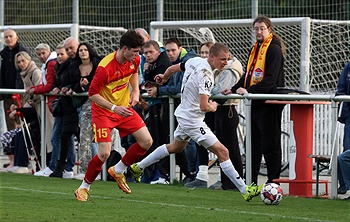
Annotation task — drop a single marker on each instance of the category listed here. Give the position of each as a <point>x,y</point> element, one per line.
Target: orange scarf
<point>256,66</point>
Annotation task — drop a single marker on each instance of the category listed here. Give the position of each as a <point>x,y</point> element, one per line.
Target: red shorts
<point>104,121</point>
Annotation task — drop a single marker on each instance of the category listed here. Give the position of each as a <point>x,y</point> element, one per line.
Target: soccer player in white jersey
<point>197,84</point>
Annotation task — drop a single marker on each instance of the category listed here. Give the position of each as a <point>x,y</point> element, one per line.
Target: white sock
<point>231,173</point>
<point>120,167</point>
<point>85,185</point>
<point>154,157</point>
<point>203,173</point>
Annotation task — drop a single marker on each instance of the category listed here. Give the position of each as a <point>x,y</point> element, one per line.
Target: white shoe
<point>67,174</point>
<point>6,169</point>
<point>160,181</point>
<point>44,173</point>
<point>12,169</point>
<point>22,170</point>
<point>79,176</point>
<point>39,173</point>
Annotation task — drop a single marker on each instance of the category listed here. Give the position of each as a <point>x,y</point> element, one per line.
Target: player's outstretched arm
<point>162,78</point>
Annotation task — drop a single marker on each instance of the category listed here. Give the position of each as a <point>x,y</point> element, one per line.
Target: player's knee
<point>103,156</point>
<point>173,148</point>
<point>104,151</point>
<point>147,143</point>
<point>222,153</point>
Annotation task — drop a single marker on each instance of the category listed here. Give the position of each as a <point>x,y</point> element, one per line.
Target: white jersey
<point>198,79</point>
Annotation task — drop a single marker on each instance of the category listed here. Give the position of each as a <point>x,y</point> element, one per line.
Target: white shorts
<point>198,132</point>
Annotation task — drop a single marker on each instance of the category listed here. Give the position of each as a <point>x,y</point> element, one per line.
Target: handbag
<point>56,107</point>
<point>78,101</point>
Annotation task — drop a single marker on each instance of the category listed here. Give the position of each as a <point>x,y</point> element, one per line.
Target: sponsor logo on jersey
<point>117,88</point>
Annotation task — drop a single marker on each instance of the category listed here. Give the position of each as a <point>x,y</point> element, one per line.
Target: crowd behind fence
<point>325,115</point>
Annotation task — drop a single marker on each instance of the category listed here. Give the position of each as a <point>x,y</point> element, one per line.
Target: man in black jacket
<point>156,62</point>
<point>9,75</point>
<point>264,74</point>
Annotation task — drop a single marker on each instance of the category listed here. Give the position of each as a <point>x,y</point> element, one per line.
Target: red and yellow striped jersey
<point>111,79</point>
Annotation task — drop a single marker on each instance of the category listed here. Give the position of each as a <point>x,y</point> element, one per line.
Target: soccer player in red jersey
<point>112,108</point>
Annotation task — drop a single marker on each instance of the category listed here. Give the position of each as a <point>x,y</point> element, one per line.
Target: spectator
<point>66,125</point>
<point>48,60</point>
<point>31,75</point>
<point>112,108</point>
<point>82,71</point>
<point>226,119</point>
<point>196,90</point>
<point>146,37</point>
<point>344,172</point>
<point>8,144</point>
<point>71,46</point>
<point>9,76</point>
<point>156,62</point>
<point>264,74</point>
<point>343,88</point>
<point>57,125</point>
<point>22,143</point>
<point>204,49</point>
<point>187,160</point>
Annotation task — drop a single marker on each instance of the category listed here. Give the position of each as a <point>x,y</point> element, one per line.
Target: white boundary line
<point>173,205</point>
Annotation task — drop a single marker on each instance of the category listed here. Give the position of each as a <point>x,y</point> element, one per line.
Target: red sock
<point>94,168</point>
<point>134,153</point>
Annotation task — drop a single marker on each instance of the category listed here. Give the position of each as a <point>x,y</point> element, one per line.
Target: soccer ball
<point>271,194</point>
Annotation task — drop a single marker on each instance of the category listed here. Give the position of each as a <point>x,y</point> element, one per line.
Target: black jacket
<point>274,72</point>
<point>62,74</point>
<point>75,76</point>
<point>30,115</point>
<point>9,75</point>
<point>63,79</point>
<point>159,66</point>
<point>75,80</point>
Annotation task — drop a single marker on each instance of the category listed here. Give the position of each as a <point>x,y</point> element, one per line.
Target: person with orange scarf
<point>264,75</point>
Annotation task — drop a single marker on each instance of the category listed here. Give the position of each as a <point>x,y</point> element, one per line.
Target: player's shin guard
<point>94,169</point>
